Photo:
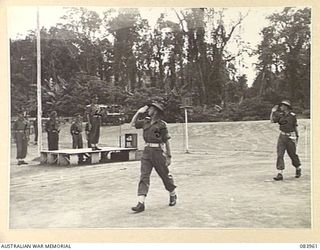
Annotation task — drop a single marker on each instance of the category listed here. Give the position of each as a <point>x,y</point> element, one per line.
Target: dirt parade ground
<point>224,182</point>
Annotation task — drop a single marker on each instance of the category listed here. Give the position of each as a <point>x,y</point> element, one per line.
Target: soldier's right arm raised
<point>273,115</point>
<point>135,122</point>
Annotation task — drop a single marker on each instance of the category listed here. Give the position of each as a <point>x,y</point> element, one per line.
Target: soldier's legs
<point>24,148</point>
<point>80,141</point>
<point>53,141</point>
<point>98,132</point>
<point>95,131</point>
<point>92,132</point>
<point>291,149</point>
<point>49,140</point>
<point>145,172</point>
<point>74,141</point>
<point>281,148</point>
<point>159,161</point>
<point>19,146</point>
<point>36,135</point>
<point>77,141</point>
<point>80,145</point>
<point>92,136</point>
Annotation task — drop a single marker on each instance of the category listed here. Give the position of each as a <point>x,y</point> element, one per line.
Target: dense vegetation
<point>132,63</point>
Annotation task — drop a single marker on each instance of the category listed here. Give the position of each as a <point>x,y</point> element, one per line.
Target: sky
<point>249,29</point>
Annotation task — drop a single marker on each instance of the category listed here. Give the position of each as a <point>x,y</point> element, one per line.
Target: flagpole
<point>39,113</point>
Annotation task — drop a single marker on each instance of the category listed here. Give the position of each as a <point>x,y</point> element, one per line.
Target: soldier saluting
<point>156,154</point>
<point>288,138</point>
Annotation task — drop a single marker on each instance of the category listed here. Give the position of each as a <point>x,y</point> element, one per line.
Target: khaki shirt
<point>53,126</point>
<point>76,128</point>
<point>288,123</point>
<point>21,128</point>
<point>153,133</point>
<point>20,125</point>
<point>93,110</point>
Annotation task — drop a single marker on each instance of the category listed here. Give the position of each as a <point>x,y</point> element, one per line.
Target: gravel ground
<point>225,181</point>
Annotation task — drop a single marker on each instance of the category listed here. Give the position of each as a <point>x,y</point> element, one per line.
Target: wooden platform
<point>69,157</point>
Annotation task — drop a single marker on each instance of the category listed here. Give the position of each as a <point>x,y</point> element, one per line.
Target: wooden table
<point>69,157</point>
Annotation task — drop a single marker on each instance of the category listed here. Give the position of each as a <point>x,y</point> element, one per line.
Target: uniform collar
<point>155,121</point>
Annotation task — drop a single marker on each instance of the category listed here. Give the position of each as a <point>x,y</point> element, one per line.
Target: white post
<point>39,114</point>
<point>186,129</point>
<point>120,132</point>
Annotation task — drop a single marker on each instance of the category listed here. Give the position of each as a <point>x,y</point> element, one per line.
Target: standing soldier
<point>76,133</point>
<point>288,138</point>
<point>94,121</point>
<point>156,153</point>
<point>21,137</point>
<point>53,129</point>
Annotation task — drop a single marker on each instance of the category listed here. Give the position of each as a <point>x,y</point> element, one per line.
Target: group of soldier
<point>21,130</point>
<point>157,152</point>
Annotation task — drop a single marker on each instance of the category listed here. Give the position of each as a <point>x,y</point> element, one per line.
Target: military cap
<point>158,105</point>
<point>286,102</point>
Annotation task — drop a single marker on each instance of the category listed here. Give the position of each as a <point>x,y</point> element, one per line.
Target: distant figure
<point>156,153</point>
<point>35,126</point>
<point>21,137</point>
<point>288,138</point>
<point>53,129</point>
<point>76,133</point>
<point>93,113</point>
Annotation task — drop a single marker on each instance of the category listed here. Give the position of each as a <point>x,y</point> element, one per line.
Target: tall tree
<point>284,55</point>
<point>124,28</point>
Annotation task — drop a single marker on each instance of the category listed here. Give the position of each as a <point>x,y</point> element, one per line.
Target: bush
<point>256,108</point>
<point>250,118</point>
<point>199,114</point>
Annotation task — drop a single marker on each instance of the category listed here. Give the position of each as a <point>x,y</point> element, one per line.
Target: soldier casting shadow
<point>288,138</point>
<point>156,153</point>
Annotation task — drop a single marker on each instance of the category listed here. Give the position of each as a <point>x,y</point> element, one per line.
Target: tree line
<point>125,61</point>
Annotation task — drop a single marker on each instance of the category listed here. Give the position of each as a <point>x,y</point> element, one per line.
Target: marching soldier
<point>53,128</point>
<point>156,153</point>
<point>93,113</point>
<point>288,138</point>
<point>76,133</point>
<point>21,137</point>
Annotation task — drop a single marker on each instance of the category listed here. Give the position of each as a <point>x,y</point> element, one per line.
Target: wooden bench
<point>69,157</point>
